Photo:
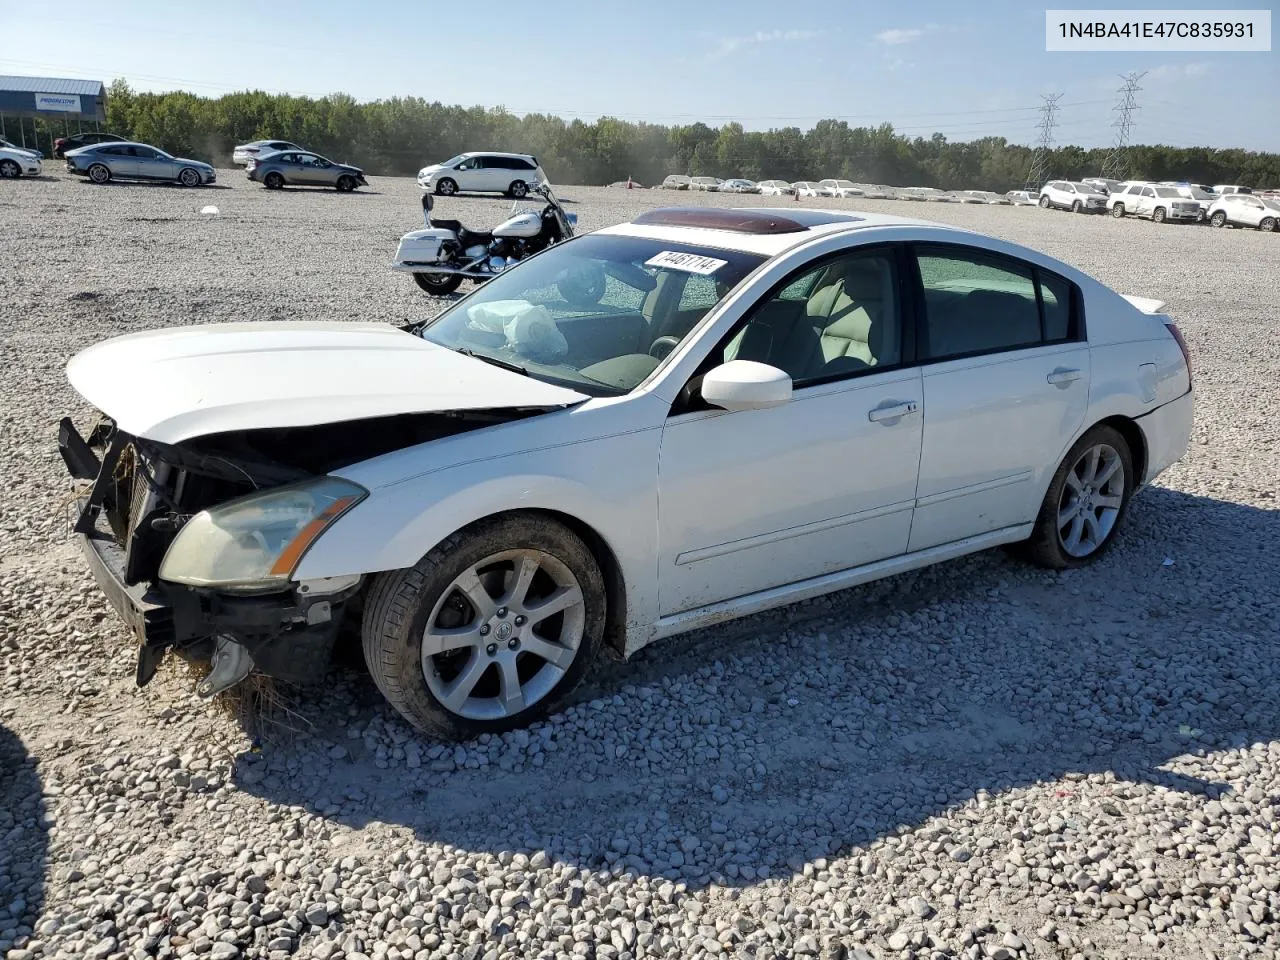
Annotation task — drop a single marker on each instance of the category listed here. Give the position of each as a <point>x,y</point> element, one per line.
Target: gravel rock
<point>934,765</point>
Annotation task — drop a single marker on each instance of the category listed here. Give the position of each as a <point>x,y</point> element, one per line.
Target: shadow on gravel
<point>23,841</point>
<point>747,752</point>
<point>152,184</point>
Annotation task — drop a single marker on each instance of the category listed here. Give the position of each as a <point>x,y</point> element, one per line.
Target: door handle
<point>892,411</point>
<point>1063,377</point>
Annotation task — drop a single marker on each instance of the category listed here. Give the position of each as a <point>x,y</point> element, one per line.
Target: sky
<point>964,69</point>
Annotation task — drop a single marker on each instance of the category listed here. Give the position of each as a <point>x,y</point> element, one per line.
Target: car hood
<point>431,168</point>
<point>173,385</point>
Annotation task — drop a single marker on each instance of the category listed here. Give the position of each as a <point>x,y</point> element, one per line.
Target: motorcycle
<point>444,253</point>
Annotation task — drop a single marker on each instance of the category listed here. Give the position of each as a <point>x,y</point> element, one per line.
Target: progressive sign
<point>57,102</point>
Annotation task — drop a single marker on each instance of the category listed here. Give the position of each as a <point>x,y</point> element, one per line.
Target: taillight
<point>1182,345</point>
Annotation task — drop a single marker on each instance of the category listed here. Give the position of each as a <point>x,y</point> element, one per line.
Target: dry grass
<point>261,705</point>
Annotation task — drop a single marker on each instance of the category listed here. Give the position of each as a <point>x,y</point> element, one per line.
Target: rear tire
<point>518,189</point>
<point>9,170</point>
<point>273,181</point>
<point>99,173</point>
<point>469,597</point>
<point>1095,480</point>
<point>446,187</point>
<point>1158,215</point>
<point>436,284</point>
<point>1218,220</point>
<point>1118,211</point>
<point>1267,224</point>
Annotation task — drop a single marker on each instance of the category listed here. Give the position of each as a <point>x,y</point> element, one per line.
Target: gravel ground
<point>978,760</point>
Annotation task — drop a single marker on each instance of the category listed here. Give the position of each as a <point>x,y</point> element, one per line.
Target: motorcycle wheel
<point>582,288</point>
<point>436,284</point>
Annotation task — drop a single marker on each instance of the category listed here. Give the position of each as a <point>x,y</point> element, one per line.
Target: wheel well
<point>615,629</point>
<point>1133,436</point>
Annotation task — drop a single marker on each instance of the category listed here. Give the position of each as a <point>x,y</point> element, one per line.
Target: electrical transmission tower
<point>1116,165</point>
<point>1040,159</point>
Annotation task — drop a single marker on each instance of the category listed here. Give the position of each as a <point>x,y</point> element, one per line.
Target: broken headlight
<point>255,543</point>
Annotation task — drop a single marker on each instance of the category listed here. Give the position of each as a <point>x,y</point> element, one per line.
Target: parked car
<point>676,181</point>
<point>258,148</point>
<point>18,163</point>
<point>1154,201</point>
<point>1104,185</point>
<point>1222,189</point>
<point>1069,195</point>
<point>14,148</point>
<point>103,162</point>
<point>450,479</point>
<point>775,188</point>
<point>293,169</point>
<point>810,188</point>
<point>1245,210</point>
<point>63,145</point>
<point>739,185</point>
<point>487,172</point>
<point>877,191</point>
<point>841,188</point>
<point>711,184</point>
<point>1203,198</point>
<point>961,196</point>
<point>628,184</point>
<point>987,196</point>
<point>1023,198</point>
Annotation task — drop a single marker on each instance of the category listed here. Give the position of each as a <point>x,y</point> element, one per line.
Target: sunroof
<point>719,218</point>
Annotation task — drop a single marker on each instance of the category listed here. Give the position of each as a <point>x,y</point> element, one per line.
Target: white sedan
<point>496,493</point>
<point>16,163</point>
<point>775,188</point>
<point>842,188</point>
<point>809,188</point>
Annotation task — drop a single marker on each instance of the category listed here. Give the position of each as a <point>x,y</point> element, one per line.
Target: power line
<point>1116,165</point>
<point>1040,159</point>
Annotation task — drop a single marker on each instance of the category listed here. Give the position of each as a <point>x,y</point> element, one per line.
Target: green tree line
<point>398,136</point>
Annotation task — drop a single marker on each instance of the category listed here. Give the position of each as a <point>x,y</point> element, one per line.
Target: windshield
<point>581,314</point>
<point>456,160</point>
<point>1200,194</point>
<point>1167,192</point>
<point>1269,204</point>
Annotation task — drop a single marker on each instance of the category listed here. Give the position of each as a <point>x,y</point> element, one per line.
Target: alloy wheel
<point>503,634</point>
<point>1091,500</point>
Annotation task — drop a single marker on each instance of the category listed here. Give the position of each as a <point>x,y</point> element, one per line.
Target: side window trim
<point>1076,318</point>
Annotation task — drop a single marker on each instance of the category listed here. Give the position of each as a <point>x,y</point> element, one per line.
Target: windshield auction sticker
<point>688,262</point>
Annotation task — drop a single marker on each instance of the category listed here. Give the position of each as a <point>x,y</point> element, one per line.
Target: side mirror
<point>746,385</point>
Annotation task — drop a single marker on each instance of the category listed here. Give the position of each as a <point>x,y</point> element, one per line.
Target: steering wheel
<point>661,347</point>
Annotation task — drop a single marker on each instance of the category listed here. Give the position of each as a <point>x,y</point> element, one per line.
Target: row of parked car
<point>1169,201</point>
<point>842,188</point>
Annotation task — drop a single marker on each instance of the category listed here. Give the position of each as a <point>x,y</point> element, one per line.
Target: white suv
<point>1153,200</point>
<point>509,173</point>
<point>1245,210</point>
<point>1069,195</point>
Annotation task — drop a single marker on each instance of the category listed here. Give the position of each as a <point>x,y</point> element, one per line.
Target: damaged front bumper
<point>288,634</point>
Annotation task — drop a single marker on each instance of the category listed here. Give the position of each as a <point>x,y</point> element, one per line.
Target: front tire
<point>273,181</point>
<point>1044,203</point>
<point>189,177</point>
<point>490,630</point>
<point>518,189</point>
<point>1267,224</point>
<point>1118,211</point>
<point>1159,215</point>
<point>345,184</point>
<point>1218,220</point>
<point>1076,206</point>
<point>9,170</point>
<point>446,187</point>
<point>1086,502</point>
<point>99,173</point>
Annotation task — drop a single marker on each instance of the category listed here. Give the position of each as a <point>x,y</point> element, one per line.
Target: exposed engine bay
<point>140,493</point>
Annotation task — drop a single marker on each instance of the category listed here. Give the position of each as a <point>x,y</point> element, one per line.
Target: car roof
<point>768,231</point>
<point>496,153</point>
